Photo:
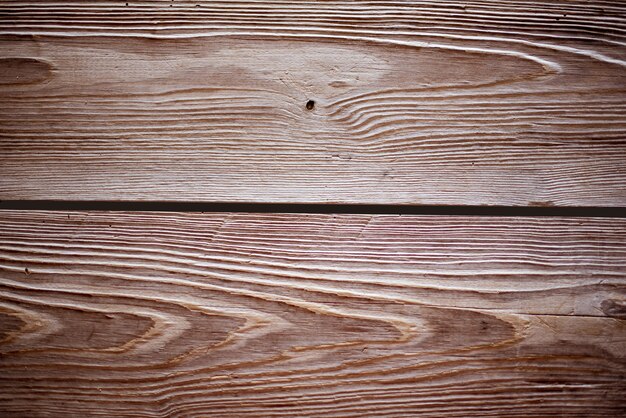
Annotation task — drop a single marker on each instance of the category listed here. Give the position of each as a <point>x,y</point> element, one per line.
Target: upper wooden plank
<point>456,103</point>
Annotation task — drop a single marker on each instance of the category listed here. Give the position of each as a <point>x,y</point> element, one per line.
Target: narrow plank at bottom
<point>278,315</point>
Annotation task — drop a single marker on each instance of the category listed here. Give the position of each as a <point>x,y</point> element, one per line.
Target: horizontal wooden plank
<point>415,102</point>
<point>181,315</point>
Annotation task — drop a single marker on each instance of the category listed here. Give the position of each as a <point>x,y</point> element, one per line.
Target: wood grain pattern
<point>416,102</point>
<point>237,315</point>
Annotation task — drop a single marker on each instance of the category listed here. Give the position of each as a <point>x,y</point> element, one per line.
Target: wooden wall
<point>442,105</point>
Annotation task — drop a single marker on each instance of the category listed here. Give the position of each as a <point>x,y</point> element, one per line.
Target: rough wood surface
<point>420,102</point>
<point>198,315</point>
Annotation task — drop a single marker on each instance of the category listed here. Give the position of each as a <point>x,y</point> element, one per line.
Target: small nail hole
<point>310,104</point>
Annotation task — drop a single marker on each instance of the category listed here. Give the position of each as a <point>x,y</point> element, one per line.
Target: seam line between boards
<point>316,208</point>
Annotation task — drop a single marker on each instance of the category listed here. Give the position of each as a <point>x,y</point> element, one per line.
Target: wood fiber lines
<point>250,315</point>
<point>473,107</point>
<point>440,103</point>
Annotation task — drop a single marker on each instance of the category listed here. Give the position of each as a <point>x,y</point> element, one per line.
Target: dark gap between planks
<point>133,206</point>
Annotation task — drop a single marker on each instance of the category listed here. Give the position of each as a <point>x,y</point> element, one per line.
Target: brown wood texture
<point>276,315</point>
<point>416,102</point>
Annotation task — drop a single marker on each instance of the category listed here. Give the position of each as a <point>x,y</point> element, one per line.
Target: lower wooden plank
<point>254,315</point>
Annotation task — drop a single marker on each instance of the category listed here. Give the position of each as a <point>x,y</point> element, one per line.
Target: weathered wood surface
<point>417,102</point>
<point>172,315</point>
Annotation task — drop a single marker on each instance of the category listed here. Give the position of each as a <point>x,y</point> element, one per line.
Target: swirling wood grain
<point>415,102</point>
<point>270,315</point>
